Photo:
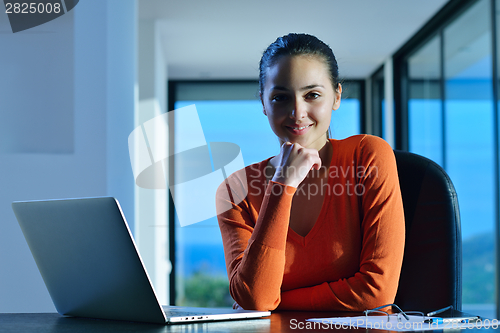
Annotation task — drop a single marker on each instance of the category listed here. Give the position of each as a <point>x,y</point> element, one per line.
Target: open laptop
<point>90,264</point>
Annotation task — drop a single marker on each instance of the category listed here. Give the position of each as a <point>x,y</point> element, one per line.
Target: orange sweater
<point>350,260</point>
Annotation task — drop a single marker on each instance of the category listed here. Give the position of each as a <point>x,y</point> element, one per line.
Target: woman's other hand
<point>294,163</point>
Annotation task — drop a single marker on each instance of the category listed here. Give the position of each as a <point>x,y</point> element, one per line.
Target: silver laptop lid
<point>88,259</point>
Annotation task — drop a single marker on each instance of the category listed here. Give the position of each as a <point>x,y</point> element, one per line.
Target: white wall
<point>81,67</point>
<point>122,98</point>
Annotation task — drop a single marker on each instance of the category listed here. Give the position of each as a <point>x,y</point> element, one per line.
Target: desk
<point>289,321</point>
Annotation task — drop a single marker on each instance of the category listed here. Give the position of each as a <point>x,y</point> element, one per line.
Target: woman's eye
<point>279,98</point>
<point>312,95</point>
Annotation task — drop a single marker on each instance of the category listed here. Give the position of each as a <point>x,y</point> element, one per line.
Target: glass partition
<point>451,121</point>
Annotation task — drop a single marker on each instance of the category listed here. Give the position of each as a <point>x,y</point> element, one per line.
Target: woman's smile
<point>299,129</point>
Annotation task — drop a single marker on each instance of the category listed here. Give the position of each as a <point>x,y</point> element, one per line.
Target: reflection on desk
<point>289,321</point>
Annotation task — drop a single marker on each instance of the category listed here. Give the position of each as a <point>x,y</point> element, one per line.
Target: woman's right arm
<point>255,250</point>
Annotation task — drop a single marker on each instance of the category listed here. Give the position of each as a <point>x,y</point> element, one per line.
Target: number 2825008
<point>32,8</point>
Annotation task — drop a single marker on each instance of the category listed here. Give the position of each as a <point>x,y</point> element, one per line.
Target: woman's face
<point>298,100</point>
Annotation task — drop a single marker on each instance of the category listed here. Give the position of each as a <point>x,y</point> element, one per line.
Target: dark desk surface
<point>55,323</point>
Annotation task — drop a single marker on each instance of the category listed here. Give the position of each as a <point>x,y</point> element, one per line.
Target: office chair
<point>431,276</point>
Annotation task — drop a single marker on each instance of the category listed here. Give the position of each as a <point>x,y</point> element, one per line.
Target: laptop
<point>90,264</point>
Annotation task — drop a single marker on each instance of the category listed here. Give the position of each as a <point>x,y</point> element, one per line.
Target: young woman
<point>319,226</point>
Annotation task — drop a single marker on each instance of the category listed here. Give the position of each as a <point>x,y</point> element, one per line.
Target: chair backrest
<point>431,276</point>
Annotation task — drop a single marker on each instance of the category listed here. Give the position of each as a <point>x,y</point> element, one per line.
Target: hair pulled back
<point>298,44</point>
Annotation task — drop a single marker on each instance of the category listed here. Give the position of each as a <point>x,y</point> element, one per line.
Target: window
<point>450,107</point>
<point>425,110</point>
<point>229,112</point>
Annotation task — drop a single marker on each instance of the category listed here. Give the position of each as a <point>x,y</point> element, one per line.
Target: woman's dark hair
<point>298,44</point>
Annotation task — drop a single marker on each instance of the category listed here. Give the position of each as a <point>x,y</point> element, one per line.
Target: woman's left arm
<point>383,234</point>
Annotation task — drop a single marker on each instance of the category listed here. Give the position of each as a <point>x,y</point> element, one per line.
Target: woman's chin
<point>306,142</point>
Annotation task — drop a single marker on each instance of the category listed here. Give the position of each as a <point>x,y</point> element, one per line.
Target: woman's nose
<point>299,111</point>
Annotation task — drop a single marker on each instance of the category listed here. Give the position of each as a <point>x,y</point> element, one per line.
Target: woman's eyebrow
<point>311,86</point>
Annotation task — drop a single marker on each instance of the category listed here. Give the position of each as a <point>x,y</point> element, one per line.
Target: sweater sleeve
<point>382,232</point>
<point>254,250</point>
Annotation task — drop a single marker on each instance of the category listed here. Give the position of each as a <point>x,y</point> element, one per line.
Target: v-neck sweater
<point>351,258</point>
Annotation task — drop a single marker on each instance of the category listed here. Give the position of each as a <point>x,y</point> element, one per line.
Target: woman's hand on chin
<point>294,163</point>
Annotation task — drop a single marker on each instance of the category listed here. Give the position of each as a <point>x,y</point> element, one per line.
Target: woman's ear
<point>337,98</point>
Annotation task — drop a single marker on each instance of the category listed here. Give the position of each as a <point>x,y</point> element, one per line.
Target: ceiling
<point>224,39</point>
